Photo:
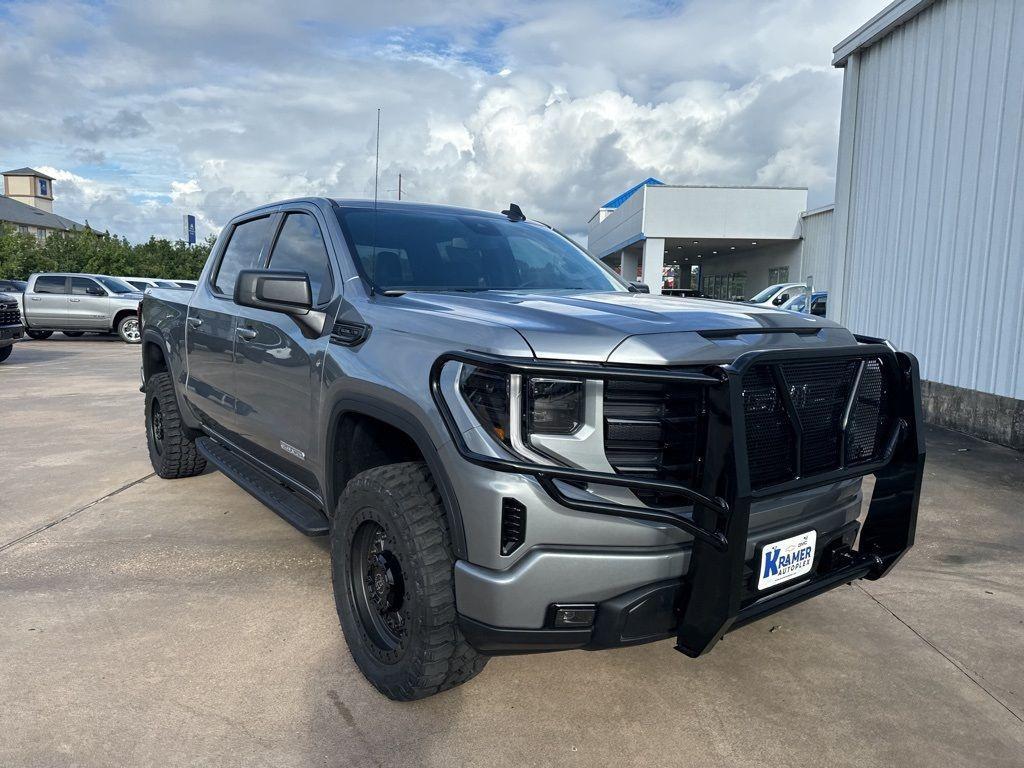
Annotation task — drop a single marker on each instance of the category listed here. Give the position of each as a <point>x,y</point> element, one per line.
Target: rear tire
<point>172,450</point>
<point>73,334</point>
<point>39,335</point>
<point>129,330</point>
<point>394,584</point>
<point>5,352</point>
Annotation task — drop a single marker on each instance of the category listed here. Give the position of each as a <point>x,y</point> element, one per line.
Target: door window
<point>244,251</point>
<point>83,286</point>
<point>300,246</point>
<point>51,284</point>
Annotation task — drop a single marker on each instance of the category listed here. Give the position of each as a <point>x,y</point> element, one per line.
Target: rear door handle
<point>195,322</point>
<point>74,299</point>
<point>248,334</point>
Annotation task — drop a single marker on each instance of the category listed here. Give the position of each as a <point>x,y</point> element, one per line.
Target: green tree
<point>99,253</point>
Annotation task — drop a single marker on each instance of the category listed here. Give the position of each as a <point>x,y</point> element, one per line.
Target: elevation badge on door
<point>786,559</point>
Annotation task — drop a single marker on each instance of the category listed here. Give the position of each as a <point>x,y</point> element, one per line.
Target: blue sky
<point>146,110</point>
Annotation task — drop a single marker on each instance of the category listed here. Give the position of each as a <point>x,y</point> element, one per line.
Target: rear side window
<point>300,246</point>
<point>244,251</point>
<point>51,284</point>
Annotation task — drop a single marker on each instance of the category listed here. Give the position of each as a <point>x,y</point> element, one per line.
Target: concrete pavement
<point>181,623</point>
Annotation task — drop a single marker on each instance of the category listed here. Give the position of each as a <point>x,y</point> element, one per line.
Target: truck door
<point>47,302</point>
<point>210,326</point>
<point>278,363</point>
<point>88,305</point>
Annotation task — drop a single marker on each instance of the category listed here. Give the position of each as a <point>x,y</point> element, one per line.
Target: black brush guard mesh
<point>868,395</point>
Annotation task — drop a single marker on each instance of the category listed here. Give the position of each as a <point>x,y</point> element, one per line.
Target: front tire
<point>39,335</point>
<point>5,352</point>
<point>394,584</point>
<point>172,451</point>
<point>129,330</point>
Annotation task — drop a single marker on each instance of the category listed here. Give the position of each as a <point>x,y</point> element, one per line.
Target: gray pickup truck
<point>10,324</point>
<point>76,304</point>
<point>514,451</point>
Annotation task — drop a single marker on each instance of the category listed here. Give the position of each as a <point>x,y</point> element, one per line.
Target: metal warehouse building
<point>928,246</point>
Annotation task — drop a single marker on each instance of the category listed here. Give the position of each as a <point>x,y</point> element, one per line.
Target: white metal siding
<point>816,249</point>
<point>932,242</point>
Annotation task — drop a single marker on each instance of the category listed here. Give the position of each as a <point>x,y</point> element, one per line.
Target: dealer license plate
<point>785,560</point>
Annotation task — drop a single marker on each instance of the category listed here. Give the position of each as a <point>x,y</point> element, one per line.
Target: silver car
<point>76,304</point>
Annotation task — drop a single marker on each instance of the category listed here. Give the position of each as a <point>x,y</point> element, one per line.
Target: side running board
<point>286,503</point>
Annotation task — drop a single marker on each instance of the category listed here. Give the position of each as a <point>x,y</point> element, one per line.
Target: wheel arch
<point>417,434</point>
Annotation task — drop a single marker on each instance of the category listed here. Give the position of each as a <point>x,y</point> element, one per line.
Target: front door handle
<point>247,334</point>
<point>195,322</point>
<point>74,299</point>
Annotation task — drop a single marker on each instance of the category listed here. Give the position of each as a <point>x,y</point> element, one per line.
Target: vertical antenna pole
<point>376,162</point>
<point>399,186</point>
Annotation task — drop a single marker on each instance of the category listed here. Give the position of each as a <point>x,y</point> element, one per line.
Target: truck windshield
<point>766,294</point>
<point>428,251</point>
<point>114,285</point>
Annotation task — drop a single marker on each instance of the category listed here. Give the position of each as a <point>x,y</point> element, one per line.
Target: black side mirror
<point>278,290</point>
<point>95,290</point>
<point>274,290</point>
<point>635,287</point>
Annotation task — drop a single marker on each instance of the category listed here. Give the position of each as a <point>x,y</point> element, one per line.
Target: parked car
<point>512,451</point>
<point>144,283</point>
<point>10,324</point>
<point>777,295</point>
<point>15,288</point>
<point>819,301</point>
<point>76,304</point>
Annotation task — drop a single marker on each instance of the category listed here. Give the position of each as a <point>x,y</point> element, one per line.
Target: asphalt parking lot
<point>150,622</point>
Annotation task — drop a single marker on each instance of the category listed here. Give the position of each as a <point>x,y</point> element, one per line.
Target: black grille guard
<point>714,587</point>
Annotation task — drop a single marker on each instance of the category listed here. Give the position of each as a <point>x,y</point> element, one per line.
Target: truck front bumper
<point>709,587</point>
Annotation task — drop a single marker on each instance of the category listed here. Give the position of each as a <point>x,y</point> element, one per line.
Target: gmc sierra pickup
<point>514,451</point>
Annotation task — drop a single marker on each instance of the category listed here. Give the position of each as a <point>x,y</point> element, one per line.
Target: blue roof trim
<point>615,202</point>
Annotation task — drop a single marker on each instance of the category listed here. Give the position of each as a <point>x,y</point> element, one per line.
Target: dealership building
<point>925,243</point>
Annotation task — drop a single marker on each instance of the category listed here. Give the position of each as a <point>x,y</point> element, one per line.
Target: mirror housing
<point>638,287</point>
<point>94,290</point>
<point>278,290</point>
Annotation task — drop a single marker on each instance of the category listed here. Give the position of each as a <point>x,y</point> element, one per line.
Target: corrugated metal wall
<point>932,242</point>
<point>816,249</point>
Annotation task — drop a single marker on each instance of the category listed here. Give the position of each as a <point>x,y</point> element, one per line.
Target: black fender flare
<point>398,418</point>
<point>153,336</point>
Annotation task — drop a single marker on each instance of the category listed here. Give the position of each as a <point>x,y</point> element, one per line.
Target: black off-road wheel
<point>39,335</point>
<point>5,352</point>
<point>394,584</point>
<point>172,449</point>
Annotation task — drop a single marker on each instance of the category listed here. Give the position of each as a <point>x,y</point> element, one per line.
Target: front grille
<point>794,415</point>
<point>9,314</point>
<point>654,430</point>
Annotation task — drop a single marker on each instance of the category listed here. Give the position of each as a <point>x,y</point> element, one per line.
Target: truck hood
<point>660,329</point>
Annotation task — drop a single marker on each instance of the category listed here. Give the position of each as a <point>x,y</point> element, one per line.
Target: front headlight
<point>487,394</point>
<point>554,406</point>
<point>514,408</point>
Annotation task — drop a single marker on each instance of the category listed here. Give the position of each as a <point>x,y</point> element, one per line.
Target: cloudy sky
<point>146,110</point>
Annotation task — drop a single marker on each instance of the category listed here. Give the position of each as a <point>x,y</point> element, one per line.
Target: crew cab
<point>514,451</point>
<point>76,304</point>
